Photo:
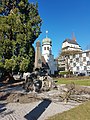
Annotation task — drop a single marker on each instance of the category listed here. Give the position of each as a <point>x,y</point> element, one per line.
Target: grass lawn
<point>78,81</point>
<point>81,112</point>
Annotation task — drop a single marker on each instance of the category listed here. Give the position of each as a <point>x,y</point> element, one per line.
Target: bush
<point>63,73</point>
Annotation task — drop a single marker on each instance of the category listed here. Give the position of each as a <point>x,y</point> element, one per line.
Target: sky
<point>61,18</point>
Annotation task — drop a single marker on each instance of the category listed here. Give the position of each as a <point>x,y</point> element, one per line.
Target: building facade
<point>74,59</point>
<point>80,63</point>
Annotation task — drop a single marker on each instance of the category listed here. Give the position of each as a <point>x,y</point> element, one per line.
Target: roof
<point>86,51</point>
<point>46,41</point>
<point>44,63</point>
<point>70,41</point>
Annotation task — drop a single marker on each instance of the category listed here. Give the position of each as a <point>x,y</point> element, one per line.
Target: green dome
<point>46,41</point>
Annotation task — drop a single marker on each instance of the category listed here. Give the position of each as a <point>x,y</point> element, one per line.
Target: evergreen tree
<point>20,25</point>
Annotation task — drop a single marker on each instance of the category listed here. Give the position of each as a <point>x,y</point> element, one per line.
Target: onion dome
<point>46,41</point>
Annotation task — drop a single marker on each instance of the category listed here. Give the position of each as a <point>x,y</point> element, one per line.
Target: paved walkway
<point>40,110</point>
<point>33,111</point>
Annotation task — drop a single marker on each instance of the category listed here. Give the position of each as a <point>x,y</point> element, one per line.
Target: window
<point>44,48</point>
<point>81,64</point>
<point>80,55</point>
<point>74,64</point>
<point>85,68</point>
<point>73,56</point>
<point>88,72</point>
<point>87,54</point>
<point>47,48</point>
<point>88,62</point>
<point>77,68</point>
<point>84,58</point>
<point>77,59</point>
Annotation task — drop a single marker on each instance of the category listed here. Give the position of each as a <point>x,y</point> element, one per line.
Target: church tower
<point>47,54</point>
<point>46,47</point>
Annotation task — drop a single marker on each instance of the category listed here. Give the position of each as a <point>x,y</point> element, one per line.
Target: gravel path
<point>40,110</point>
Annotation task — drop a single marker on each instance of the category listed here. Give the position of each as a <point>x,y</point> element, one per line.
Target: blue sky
<point>63,17</point>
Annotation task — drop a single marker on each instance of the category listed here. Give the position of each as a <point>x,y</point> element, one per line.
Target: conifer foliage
<point>20,26</point>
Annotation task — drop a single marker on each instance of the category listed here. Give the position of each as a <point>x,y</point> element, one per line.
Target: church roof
<point>44,63</point>
<point>71,41</point>
<point>46,41</point>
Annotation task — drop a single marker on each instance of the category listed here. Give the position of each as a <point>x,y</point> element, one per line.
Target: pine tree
<point>20,25</point>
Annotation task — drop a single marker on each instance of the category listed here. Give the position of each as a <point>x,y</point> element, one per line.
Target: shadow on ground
<point>2,107</point>
<point>38,110</point>
<point>4,96</point>
<point>4,111</point>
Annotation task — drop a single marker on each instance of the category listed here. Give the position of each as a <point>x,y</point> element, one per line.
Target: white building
<point>46,48</point>
<point>78,62</point>
<point>70,45</point>
<point>48,56</point>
